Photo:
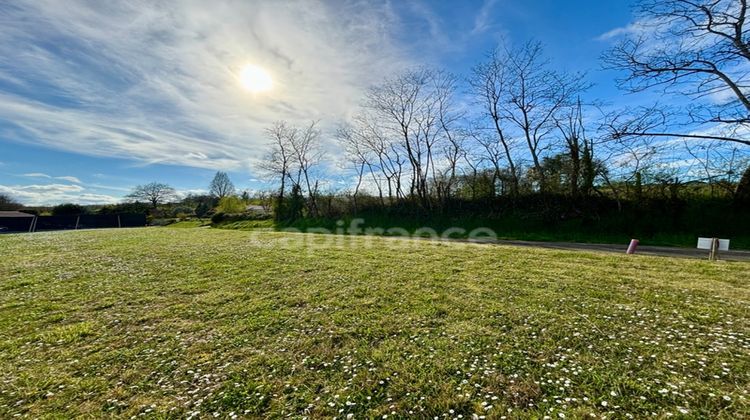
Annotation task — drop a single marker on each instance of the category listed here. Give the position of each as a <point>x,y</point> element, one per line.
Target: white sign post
<point>714,245</point>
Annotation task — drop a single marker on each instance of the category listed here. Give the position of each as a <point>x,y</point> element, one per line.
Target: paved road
<point>663,251</point>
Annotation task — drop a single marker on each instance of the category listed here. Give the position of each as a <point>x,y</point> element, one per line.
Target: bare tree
<point>306,153</point>
<point>471,171</point>
<point>719,163</point>
<point>154,193</point>
<point>579,149</point>
<point>493,153</point>
<point>389,156</point>
<point>8,203</point>
<point>278,162</point>
<point>697,48</point>
<point>449,118</point>
<point>395,102</point>
<point>358,156</point>
<point>490,86</point>
<point>221,186</point>
<point>407,107</point>
<point>628,160</point>
<point>294,153</point>
<point>536,96</point>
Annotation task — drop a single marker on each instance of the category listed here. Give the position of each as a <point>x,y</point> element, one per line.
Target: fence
<point>84,221</point>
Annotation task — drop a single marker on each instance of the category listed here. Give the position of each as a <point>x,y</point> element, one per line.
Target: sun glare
<point>255,79</point>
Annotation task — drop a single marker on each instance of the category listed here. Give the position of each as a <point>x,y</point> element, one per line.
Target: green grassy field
<point>206,322</point>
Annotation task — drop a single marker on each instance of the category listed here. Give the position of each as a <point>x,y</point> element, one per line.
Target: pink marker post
<point>633,245</point>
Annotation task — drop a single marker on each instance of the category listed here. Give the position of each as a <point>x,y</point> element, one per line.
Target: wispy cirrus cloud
<point>69,179</point>
<point>158,83</point>
<point>633,28</point>
<point>640,27</point>
<point>63,178</point>
<point>483,20</point>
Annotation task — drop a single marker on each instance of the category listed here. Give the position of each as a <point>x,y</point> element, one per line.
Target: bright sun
<point>255,79</point>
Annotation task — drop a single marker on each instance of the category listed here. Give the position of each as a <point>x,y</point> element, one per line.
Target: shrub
<point>185,211</point>
<point>231,204</point>
<point>290,208</point>
<point>218,217</point>
<point>140,208</point>
<point>742,195</point>
<point>68,209</point>
<point>202,209</point>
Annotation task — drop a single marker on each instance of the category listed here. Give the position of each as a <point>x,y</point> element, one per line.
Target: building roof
<point>256,208</point>
<point>14,214</point>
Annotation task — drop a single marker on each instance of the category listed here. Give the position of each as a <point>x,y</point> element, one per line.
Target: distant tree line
<point>222,201</point>
<point>156,199</point>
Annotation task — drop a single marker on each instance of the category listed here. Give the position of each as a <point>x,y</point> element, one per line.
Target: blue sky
<point>96,97</point>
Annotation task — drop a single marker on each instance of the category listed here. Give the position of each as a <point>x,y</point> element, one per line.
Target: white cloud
<point>627,30</point>
<point>36,175</point>
<point>193,191</point>
<point>69,179</point>
<point>50,194</point>
<point>159,84</point>
<point>643,26</point>
<point>483,20</point>
<point>62,178</point>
